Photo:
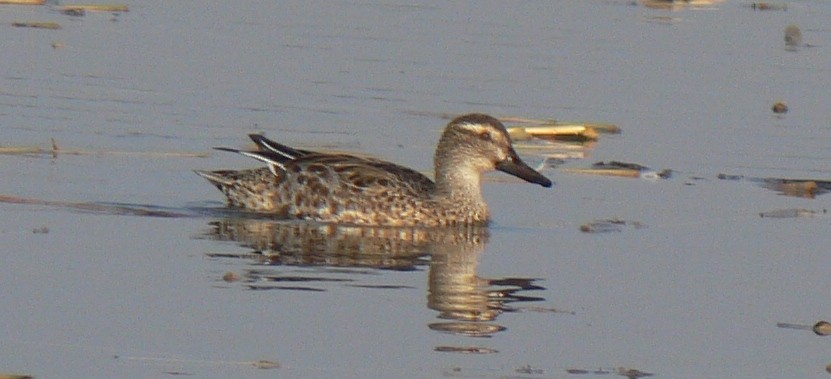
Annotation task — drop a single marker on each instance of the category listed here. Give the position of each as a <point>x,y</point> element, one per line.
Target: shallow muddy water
<point>688,281</point>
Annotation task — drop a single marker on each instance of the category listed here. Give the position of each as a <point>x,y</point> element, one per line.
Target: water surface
<point>695,293</point>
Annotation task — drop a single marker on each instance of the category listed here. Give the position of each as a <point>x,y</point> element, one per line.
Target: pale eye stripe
<point>476,128</point>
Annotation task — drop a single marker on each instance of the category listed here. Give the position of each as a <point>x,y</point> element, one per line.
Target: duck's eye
<point>485,136</point>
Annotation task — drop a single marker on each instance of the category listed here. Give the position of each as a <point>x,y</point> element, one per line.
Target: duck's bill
<point>518,168</point>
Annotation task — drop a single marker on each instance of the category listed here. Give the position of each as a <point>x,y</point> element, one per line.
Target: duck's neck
<point>457,181</point>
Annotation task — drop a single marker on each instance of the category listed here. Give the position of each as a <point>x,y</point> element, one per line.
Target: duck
<point>354,190</point>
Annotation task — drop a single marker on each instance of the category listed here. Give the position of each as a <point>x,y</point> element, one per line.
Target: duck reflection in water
<point>469,302</point>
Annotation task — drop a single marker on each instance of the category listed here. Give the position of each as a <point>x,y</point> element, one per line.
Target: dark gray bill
<point>516,167</point>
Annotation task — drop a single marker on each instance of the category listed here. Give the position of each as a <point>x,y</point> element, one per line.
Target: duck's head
<point>476,143</point>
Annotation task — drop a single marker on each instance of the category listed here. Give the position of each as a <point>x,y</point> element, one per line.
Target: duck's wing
<point>359,172</point>
<point>287,152</point>
<point>418,180</point>
<point>365,175</point>
<point>370,177</point>
<point>274,154</point>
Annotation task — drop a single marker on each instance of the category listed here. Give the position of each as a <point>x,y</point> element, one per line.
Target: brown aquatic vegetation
<point>807,188</point>
<point>54,151</point>
<point>37,25</point>
<point>23,2</point>
<point>622,169</point>
<point>609,225</point>
<point>765,6</point>
<point>94,8</point>
<point>821,328</point>
<point>679,4</point>
<point>779,107</point>
<point>793,36</point>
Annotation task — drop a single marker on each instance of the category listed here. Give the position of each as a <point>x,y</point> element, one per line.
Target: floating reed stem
<point>627,173</point>
<point>93,8</point>
<point>37,25</point>
<point>23,2</point>
<point>54,151</point>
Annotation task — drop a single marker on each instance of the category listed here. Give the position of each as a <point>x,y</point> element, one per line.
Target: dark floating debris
<point>765,6</point>
<point>527,369</point>
<point>632,373</point>
<point>779,107</point>
<point>789,213</point>
<point>793,37</point>
<point>806,188</point>
<point>95,8</point>
<point>610,225</point>
<point>76,12</point>
<point>622,371</point>
<point>730,177</point>
<point>622,169</point>
<point>174,373</point>
<point>231,276</point>
<point>576,371</point>
<point>266,364</point>
<point>796,188</point>
<point>821,328</point>
<point>465,349</point>
<point>37,25</point>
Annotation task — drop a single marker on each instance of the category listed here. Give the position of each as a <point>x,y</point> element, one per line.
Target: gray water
<point>692,286</point>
